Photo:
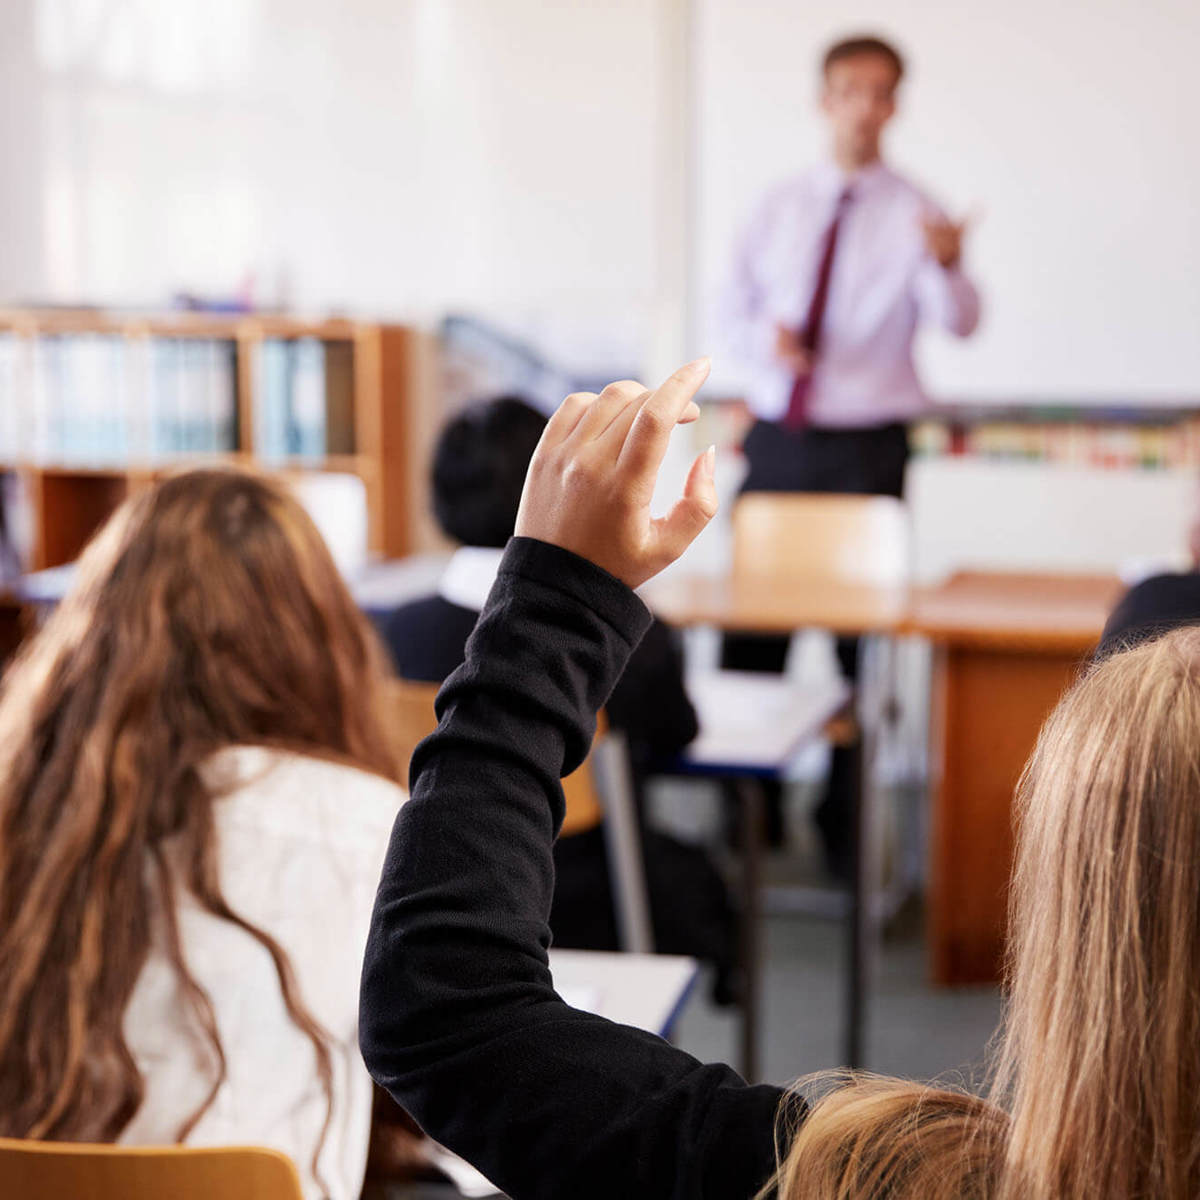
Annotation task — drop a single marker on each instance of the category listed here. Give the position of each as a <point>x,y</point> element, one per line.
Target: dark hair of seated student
<point>479,466</point>
<point>196,789</point>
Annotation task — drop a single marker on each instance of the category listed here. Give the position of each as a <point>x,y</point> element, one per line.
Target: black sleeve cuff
<point>566,572</point>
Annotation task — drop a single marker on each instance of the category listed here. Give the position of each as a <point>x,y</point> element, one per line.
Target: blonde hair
<point>1097,1075</point>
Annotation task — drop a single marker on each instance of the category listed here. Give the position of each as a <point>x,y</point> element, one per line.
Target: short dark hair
<point>479,467</point>
<point>856,47</point>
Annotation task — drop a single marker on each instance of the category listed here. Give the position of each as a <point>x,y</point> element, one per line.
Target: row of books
<point>303,399</point>
<point>99,399</point>
<point>1170,444</point>
<point>95,399</point>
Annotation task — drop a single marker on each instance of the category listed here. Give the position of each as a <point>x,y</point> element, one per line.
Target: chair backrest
<point>852,540</point>
<point>74,1171</point>
<point>412,718</point>
<point>587,804</point>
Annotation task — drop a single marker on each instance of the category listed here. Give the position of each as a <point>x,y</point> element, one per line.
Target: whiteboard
<point>1072,124</point>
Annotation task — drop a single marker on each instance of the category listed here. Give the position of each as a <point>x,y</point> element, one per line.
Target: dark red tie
<point>810,331</point>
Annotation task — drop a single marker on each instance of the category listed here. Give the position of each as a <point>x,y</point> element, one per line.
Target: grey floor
<point>913,1029</point>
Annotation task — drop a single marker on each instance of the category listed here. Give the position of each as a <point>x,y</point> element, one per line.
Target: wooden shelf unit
<point>393,416</point>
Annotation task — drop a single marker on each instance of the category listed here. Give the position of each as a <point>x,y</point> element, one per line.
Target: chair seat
<point>75,1171</point>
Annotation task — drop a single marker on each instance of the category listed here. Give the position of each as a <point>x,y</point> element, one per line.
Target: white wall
<point>1032,517</point>
<point>1071,122</point>
<point>575,168</point>
<point>530,160</point>
<point>384,156</point>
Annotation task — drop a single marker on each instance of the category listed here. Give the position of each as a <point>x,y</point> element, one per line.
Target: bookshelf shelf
<point>94,405</point>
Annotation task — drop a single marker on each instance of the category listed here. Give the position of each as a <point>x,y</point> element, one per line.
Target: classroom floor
<point>913,1029</point>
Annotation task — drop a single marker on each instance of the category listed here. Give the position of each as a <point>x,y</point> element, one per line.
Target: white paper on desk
<point>758,720</point>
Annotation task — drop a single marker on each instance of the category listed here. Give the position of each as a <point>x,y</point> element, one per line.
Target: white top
<point>301,844</point>
<point>469,576</point>
<point>884,283</point>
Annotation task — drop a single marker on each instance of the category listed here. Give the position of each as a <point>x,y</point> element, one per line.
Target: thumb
<point>691,512</point>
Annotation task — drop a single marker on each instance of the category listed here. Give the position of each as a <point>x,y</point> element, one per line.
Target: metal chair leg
<point>751,811</point>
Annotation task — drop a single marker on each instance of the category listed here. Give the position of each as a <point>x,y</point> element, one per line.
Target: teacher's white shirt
<point>884,283</point>
<point>301,844</point>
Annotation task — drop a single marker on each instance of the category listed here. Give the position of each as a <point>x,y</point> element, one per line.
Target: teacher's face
<point>859,98</point>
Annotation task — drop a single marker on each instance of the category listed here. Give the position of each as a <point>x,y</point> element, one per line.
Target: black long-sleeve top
<point>459,1020</point>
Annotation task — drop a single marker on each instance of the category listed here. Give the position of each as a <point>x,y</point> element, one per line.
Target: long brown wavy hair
<point>207,613</point>
<point>1096,1089</point>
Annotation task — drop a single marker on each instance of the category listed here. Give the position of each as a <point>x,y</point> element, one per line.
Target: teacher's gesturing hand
<point>592,478</point>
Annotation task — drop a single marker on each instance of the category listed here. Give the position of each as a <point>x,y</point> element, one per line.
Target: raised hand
<point>944,239</point>
<point>592,477</point>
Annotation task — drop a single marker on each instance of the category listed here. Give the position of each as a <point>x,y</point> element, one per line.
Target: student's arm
<point>459,1020</point>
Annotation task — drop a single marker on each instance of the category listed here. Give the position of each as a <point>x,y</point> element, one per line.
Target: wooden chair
<point>413,718</point>
<point>785,539</point>
<point>849,540</point>
<point>598,791</point>
<point>76,1171</point>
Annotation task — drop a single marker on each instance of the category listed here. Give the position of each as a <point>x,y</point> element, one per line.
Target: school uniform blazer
<point>1151,608</point>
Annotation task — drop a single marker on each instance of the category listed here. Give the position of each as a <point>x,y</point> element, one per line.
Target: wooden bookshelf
<point>378,424</point>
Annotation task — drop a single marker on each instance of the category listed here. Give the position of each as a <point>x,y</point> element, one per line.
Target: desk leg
<point>859,933</point>
<point>751,812</point>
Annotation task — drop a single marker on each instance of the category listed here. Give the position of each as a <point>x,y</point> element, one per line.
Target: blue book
<point>272,401</point>
<point>306,431</point>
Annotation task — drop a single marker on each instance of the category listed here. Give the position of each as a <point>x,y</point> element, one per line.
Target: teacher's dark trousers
<point>856,461</point>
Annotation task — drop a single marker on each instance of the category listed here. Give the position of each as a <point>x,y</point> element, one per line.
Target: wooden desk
<point>752,726</point>
<point>748,605</point>
<point>1006,646</point>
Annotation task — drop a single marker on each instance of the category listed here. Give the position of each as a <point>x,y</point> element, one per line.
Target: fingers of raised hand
<point>607,409</point>
<point>690,514</point>
<point>567,417</point>
<point>658,414</point>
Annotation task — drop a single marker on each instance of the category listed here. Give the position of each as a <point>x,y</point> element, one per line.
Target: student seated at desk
<point>479,468</point>
<point>1156,604</point>
<point>1098,1084</point>
<point>196,789</point>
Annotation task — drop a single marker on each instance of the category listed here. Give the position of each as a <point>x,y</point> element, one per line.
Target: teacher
<point>836,271</point>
